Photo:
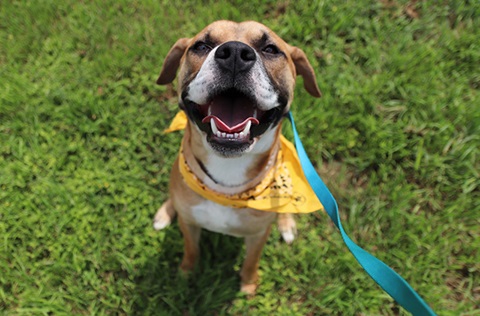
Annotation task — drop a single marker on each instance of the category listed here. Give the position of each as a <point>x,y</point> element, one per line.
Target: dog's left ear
<point>172,61</point>
<point>304,69</point>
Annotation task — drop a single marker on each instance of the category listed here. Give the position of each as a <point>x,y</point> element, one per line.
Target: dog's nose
<point>235,57</point>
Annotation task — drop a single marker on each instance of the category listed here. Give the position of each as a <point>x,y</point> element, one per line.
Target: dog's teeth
<point>220,134</point>
<point>247,128</point>
<point>255,113</point>
<point>214,127</point>
<point>210,110</point>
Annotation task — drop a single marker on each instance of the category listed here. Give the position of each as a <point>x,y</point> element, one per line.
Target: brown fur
<point>254,225</point>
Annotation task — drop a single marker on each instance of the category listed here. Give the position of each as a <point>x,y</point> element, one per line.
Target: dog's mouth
<point>231,118</point>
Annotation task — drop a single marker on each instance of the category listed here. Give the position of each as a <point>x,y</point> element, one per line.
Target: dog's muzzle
<point>232,99</point>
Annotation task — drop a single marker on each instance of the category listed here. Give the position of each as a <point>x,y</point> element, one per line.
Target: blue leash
<point>390,281</point>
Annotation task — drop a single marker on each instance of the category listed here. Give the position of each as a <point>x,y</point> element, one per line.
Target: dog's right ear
<point>172,61</point>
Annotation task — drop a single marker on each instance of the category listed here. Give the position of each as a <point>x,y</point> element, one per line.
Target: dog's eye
<point>271,49</point>
<point>201,47</point>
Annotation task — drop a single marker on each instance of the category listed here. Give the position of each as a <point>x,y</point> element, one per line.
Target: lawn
<point>84,164</point>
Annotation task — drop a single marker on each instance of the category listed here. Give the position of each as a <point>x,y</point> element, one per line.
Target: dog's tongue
<point>231,114</point>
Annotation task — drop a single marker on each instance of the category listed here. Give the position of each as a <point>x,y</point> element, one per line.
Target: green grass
<point>84,164</point>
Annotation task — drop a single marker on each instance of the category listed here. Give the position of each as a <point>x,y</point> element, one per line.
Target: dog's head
<point>236,82</point>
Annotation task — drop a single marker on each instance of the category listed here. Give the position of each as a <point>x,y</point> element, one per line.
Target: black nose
<point>235,57</point>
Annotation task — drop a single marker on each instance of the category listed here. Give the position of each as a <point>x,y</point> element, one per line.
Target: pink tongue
<point>225,128</point>
<point>230,113</point>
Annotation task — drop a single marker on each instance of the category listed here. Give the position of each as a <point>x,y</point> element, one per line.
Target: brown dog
<point>236,83</point>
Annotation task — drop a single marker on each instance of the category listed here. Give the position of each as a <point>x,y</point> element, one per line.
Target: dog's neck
<point>230,175</point>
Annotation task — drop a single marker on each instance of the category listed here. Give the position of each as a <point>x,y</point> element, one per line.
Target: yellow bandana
<point>284,189</point>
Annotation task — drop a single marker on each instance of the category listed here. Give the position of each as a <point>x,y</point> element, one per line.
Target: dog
<point>235,85</point>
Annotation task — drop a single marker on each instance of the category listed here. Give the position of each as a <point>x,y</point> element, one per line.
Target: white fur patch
<point>159,225</point>
<point>162,218</point>
<point>214,217</point>
<point>198,89</point>
<point>231,172</point>
<point>288,236</point>
<point>227,220</point>
<point>262,87</point>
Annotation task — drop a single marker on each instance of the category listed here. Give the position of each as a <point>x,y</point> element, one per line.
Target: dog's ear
<point>172,61</point>
<point>304,69</point>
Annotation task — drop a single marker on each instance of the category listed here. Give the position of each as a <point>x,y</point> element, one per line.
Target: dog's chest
<point>231,221</point>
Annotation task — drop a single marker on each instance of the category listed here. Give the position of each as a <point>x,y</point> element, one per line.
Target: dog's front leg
<point>287,227</point>
<point>249,273</point>
<point>191,238</point>
<point>164,215</point>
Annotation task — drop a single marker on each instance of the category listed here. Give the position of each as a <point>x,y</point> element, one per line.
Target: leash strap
<point>390,281</point>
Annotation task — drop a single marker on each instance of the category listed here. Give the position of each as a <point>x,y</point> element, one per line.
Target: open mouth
<point>231,118</point>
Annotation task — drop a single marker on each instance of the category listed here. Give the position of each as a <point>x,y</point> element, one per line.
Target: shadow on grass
<point>162,290</point>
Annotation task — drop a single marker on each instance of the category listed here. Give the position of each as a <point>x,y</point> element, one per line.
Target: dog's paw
<point>287,227</point>
<point>161,223</point>
<point>249,289</point>
<point>289,236</point>
<point>164,216</point>
<point>185,271</point>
